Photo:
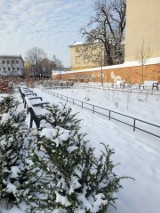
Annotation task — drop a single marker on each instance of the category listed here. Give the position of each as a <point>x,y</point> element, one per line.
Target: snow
<point>75,43</point>
<point>137,152</point>
<point>62,199</point>
<point>11,188</point>
<point>49,133</point>
<point>74,184</point>
<point>5,118</point>
<point>15,170</point>
<point>72,148</point>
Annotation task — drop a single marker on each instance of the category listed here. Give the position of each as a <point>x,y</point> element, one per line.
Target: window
<point>12,61</point>
<point>17,62</point>
<point>9,69</point>
<point>77,49</point>
<point>4,68</point>
<point>7,61</point>
<point>3,62</point>
<point>13,68</point>
<point>77,60</point>
<point>17,68</point>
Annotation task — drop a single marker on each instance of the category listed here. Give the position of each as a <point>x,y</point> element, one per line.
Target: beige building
<point>142,25</point>
<point>83,57</point>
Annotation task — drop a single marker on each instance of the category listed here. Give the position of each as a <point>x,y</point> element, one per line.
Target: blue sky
<point>49,24</point>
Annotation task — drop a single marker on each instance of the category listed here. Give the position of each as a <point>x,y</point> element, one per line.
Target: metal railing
<point>118,89</point>
<point>133,122</point>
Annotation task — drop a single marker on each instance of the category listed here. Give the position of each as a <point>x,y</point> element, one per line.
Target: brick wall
<point>129,74</point>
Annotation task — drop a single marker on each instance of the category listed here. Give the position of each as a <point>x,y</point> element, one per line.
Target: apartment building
<point>11,65</point>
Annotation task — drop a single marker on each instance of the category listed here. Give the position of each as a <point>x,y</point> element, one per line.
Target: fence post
<point>73,101</point>
<point>109,114</point>
<point>82,104</point>
<point>134,124</point>
<point>93,108</point>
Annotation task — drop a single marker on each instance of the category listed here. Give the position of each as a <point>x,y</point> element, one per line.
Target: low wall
<point>129,74</point>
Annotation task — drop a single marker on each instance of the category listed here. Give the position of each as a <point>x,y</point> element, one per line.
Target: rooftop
<point>10,56</point>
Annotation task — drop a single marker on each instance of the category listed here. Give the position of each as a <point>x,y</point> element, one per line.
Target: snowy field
<point>137,152</point>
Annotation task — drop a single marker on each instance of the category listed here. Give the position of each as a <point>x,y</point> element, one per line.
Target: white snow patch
<point>5,118</point>
<point>15,170</point>
<point>11,188</point>
<point>62,199</point>
<point>72,148</point>
<point>48,133</point>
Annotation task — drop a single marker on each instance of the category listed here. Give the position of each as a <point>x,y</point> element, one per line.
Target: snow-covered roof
<point>76,43</point>
<point>11,57</point>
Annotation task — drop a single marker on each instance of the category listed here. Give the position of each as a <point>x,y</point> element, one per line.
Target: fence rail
<point>133,122</point>
<point>121,89</point>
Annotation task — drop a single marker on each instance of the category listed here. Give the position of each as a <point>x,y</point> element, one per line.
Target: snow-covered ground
<point>137,152</point>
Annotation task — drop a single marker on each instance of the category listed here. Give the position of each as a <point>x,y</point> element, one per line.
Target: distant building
<point>83,57</point>
<point>11,65</point>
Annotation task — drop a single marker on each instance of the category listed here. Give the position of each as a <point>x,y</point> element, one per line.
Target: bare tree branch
<point>107,27</point>
<point>143,55</point>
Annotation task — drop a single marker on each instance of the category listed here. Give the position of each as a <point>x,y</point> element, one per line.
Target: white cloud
<point>49,24</point>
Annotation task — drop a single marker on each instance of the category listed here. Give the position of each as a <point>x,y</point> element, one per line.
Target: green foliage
<point>12,133</point>
<point>7,104</point>
<point>61,116</point>
<point>53,169</point>
<point>70,176</point>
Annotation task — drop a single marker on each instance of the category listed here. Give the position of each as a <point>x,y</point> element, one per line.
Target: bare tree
<point>34,58</point>
<point>107,28</point>
<point>46,66</point>
<point>57,63</point>
<point>143,55</point>
<point>49,65</point>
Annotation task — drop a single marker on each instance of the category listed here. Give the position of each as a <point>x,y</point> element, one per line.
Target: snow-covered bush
<point>7,104</point>
<point>70,178</point>
<point>61,115</point>
<point>13,130</point>
<point>54,170</point>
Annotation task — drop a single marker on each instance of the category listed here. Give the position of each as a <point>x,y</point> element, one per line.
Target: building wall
<point>11,66</point>
<point>131,74</point>
<point>142,24</point>
<point>82,58</point>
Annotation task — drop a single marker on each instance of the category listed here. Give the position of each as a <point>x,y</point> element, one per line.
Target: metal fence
<point>133,122</point>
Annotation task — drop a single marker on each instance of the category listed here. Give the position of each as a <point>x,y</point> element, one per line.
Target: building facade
<point>142,26</point>
<point>11,66</point>
<point>85,57</point>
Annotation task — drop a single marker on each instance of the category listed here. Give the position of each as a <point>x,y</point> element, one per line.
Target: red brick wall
<point>129,74</point>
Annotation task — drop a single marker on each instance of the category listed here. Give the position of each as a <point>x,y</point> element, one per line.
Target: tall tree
<point>38,63</point>
<point>106,29</point>
<point>34,57</point>
<point>57,63</point>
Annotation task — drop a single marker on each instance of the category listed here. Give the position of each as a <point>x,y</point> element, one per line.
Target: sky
<point>48,24</point>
